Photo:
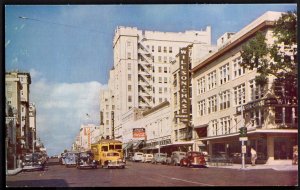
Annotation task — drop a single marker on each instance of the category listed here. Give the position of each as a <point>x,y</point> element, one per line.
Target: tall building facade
<point>142,67</point>
<point>17,95</point>
<point>223,90</point>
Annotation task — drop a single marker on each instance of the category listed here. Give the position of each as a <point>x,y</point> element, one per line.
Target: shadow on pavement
<point>38,183</point>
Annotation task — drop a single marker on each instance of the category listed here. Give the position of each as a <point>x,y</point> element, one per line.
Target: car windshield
<point>162,155</point>
<point>139,154</point>
<point>113,154</point>
<point>182,154</point>
<point>196,154</point>
<point>84,155</point>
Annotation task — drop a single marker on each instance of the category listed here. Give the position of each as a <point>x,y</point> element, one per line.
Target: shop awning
<point>149,148</point>
<point>128,145</point>
<point>137,144</point>
<point>201,126</point>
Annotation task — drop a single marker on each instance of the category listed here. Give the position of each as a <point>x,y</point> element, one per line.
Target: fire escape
<point>144,75</point>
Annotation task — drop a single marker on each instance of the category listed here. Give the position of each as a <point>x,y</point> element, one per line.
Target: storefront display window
<point>283,148</point>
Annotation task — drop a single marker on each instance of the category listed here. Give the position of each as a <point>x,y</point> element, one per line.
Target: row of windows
<point>159,49</point>
<point>223,98</point>
<point>209,81</point>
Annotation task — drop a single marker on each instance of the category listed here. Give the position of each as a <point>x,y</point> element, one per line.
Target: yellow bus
<point>108,153</point>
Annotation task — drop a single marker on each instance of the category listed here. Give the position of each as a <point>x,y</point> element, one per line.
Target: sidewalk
<point>14,172</point>
<point>289,167</point>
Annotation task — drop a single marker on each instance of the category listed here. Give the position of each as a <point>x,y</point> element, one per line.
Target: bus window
<point>111,147</point>
<point>104,148</point>
<point>118,147</point>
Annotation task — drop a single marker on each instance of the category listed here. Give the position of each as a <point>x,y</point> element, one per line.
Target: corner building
<point>142,67</point>
<point>221,88</point>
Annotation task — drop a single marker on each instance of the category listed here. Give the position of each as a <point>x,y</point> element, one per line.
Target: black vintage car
<point>32,162</point>
<point>86,160</point>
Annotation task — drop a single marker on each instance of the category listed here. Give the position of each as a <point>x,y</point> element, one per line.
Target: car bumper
<point>116,164</point>
<point>32,168</point>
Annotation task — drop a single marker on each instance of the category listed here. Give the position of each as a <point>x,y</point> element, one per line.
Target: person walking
<point>253,156</point>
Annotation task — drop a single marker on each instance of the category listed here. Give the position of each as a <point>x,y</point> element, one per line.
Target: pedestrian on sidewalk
<point>253,156</point>
<point>295,155</point>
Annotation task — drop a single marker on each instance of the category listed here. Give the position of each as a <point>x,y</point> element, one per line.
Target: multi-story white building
<point>106,113</point>
<point>222,89</point>
<point>17,95</point>
<point>142,67</point>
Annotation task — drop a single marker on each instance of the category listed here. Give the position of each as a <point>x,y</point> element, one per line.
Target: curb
<point>14,172</point>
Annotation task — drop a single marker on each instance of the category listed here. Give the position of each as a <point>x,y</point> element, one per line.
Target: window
<point>129,88</point>
<point>170,49</point>
<point>224,73</point>
<point>224,99</point>
<point>214,124</point>
<point>225,125</point>
<point>212,104</point>
<point>160,90</point>
<point>201,108</point>
<point>256,92</point>
<point>165,90</point>
<point>201,85</point>
<point>159,48</point>
<point>107,122</point>
<point>152,48</point>
<point>160,79</point>
<point>239,94</point>
<point>165,80</point>
<point>129,66</point>
<point>160,100</point>
<point>159,69</point>
<point>170,59</point>
<point>165,59</point>
<point>128,44</point>
<point>212,80</point>
<point>237,69</point>
<point>165,49</point>
<point>128,55</point>
<point>129,77</point>
<point>107,106</point>
<point>165,69</point>
<point>256,117</point>
<point>129,99</point>
<point>159,58</point>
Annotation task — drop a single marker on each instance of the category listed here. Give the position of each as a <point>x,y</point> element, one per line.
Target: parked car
<point>31,162</point>
<point>220,158</point>
<point>70,159</point>
<point>138,156</point>
<point>86,160</point>
<point>147,157</point>
<point>193,158</point>
<point>159,158</point>
<point>168,161</point>
<point>176,157</point>
<point>62,158</point>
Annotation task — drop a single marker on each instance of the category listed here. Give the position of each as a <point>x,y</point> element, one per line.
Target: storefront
<point>270,145</point>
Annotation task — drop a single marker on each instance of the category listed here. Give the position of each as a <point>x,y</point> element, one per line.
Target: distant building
<point>32,125</point>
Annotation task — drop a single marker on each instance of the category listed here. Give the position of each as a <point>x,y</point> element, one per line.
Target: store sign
<point>184,85</point>
<point>244,149</point>
<point>139,133</point>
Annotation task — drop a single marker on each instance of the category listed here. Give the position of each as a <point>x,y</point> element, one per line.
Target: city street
<point>147,174</point>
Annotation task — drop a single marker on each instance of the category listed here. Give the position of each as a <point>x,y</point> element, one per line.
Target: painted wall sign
<point>138,132</point>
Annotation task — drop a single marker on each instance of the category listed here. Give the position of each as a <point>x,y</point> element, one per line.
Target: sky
<point>68,51</point>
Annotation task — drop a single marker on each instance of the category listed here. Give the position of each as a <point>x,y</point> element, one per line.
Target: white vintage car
<point>147,158</point>
<point>138,157</point>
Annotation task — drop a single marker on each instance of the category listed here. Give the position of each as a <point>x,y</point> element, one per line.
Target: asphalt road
<point>146,174</point>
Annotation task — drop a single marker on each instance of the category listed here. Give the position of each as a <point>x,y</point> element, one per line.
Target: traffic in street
<point>139,174</point>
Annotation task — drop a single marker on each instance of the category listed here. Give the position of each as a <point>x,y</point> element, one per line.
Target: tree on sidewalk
<point>278,59</point>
